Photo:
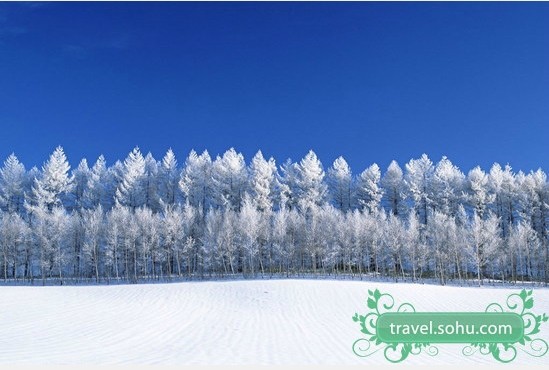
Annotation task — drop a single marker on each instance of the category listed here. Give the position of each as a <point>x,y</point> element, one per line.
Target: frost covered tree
<point>503,186</point>
<point>525,244</point>
<point>168,177</point>
<point>117,220</point>
<point>393,184</point>
<point>263,182</point>
<point>394,237</point>
<point>14,232</point>
<point>152,199</point>
<point>416,247</point>
<point>148,242</point>
<point>80,178</point>
<point>310,182</point>
<point>49,229</point>
<point>132,190</point>
<point>485,241</point>
<point>442,235</point>
<point>93,224</point>
<point>100,180</point>
<point>229,179</point>
<point>477,191</point>
<point>418,178</point>
<point>447,187</point>
<point>288,184</point>
<point>127,222</point>
<point>368,189</point>
<point>13,179</point>
<point>535,200</point>
<point>340,184</point>
<point>173,233</point>
<point>196,180</point>
<point>53,183</point>
<point>250,227</point>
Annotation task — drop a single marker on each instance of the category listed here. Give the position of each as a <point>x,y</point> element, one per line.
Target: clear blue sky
<point>369,81</point>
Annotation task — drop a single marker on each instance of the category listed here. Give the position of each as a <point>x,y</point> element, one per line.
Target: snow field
<point>268,322</point>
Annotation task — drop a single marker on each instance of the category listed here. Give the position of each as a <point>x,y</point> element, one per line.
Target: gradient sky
<point>370,81</point>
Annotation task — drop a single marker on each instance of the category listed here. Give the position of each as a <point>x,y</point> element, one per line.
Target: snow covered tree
<point>132,191</point>
<point>196,180</point>
<point>148,240</point>
<point>250,230</point>
<point>477,190</point>
<point>263,182</point>
<point>418,180</point>
<point>80,179</point>
<point>117,220</point>
<point>535,197</point>
<point>416,247</point>
<point>54,182</point>
<point>310,182</point>
<point>168,177</point>
<point>503,186</point>
<point>525,244</point>
<point>281,241</point>
<point>485,241</point>
<point>288,184</point>
<point>368,189</point>
<point>339,184</point>
<point>393,185</point>
<point>442,235</point>
<point>93,224</point>
<point>152,199</point>
<point>173,233</point>
<point>447,187</point>
<point>358,240</point>
<point>126,221</point>
<point>13,235</point>
<point>374,225</point>
<point>13,179</point>
<point>229,178</point>
<point>100,180</point>
<point>395,241</point>
<point>49,231</point>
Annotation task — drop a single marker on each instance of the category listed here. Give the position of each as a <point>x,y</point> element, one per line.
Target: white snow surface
<point>242,322</point>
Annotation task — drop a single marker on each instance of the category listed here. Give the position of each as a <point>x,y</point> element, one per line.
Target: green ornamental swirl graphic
<point>379,303</point>
<point>519,303</point>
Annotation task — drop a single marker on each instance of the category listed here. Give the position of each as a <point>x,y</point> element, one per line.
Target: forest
<point>142,219</point>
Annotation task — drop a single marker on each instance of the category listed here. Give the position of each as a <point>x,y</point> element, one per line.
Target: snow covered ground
<point>220,322</point>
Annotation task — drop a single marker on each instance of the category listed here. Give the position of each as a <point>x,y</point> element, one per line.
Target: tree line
<point>143,219</point>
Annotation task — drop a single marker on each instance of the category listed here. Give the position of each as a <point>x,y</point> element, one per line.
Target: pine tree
<point>93,222</point>
<point>229,179</point>
<point>54,181</point>
<point>340,184</point>
<point>418,179</point>
<point>12,185</point>
<point>99,183</point>
<point>368,189</point>
<point>196,180</point>
<point>310,182</point>
<point>131,190</point>
<point>485,241</point>
<point>168,175</point>
<point>288,184</point>
<point>477,191</point>
<point>393,185</point>
<point>263,182</point>
<point>152,199</point>
<point>80,179</point>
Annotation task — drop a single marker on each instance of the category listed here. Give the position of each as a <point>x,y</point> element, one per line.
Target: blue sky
<point>369,81</point>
